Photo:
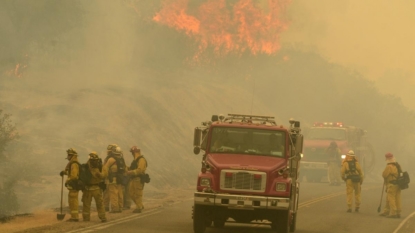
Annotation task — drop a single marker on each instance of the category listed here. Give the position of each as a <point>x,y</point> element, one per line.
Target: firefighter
<point>110,147</point>
<point>115,166</point>
<point>71,183</point>
<point>352,174</point>
<point>334,154</point>
<point>393,205</point>
<point>93,188</point>
<point>136,171</point>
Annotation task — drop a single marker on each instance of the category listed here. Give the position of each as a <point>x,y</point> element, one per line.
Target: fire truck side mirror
<point>197,137</point>
<point>196,150</point>
<point>299,144</point>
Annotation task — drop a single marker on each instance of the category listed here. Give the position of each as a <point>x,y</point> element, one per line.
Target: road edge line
<point>403,222</point>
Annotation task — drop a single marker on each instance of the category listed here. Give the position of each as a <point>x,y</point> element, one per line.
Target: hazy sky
<point>375,37</point>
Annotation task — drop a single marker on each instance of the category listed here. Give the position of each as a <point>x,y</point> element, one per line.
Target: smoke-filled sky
<point>86,74</point>
<point>375,37</point>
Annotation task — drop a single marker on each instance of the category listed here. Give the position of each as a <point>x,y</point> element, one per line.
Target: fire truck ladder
<point>250,119</point>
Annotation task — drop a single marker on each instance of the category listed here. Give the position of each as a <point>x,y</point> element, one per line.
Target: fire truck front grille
<point>243,180</point>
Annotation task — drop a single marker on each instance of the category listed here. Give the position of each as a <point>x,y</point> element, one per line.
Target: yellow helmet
<point>111,146</point>
<point>71,151</point>
<point>93,155</point>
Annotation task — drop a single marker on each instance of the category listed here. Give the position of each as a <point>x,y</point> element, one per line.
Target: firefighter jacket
<point>345,170</point>
<point>138,166</point>
<point>97,175</point>
<point>72,171</point>
<point>112,168</point>
<point>111,164</point>
<point>390,173</point>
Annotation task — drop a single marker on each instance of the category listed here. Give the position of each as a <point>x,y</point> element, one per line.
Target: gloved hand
<point>130,173</point>
<point>62,173</point>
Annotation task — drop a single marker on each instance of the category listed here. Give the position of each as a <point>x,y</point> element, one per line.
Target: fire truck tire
<point>199,219</point>
<point>219,223</point>
<point>208,223</point>
<point>281,224</point>
<point>293,224</point>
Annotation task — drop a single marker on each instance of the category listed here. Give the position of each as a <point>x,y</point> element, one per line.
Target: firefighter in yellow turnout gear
<point>110,147</point>
<point>393,207</point>
<point>71,183</point>
<point>93,188</point>
<point>115,189</point>
<point>352,173</point>
<point>136,185</point>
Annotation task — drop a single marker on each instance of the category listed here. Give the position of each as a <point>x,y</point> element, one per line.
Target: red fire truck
<point>318,138</point>
<point>249,172</point>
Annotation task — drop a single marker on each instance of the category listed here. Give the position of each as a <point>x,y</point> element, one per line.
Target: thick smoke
<point>102,72</point>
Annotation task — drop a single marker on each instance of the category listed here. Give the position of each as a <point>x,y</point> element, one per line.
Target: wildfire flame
<point>17,71</point>
<point>227,28</point>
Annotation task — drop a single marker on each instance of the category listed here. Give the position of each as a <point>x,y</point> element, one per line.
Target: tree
<point>8,132</point>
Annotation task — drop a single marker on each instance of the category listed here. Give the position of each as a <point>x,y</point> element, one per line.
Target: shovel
<point>61,216</point>
<point>381,197</point>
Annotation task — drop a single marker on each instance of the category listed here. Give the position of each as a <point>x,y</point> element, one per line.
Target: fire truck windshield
<point>247,141</point>
<point>327,133</point>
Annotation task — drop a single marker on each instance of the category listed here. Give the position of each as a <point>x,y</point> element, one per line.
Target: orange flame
<point>19,68</point>
<point>239,27</point>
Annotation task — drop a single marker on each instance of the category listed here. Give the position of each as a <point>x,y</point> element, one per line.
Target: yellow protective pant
<point>350,188</point>
<point>106,198</point>
<point>87,200</point>
<point>333,172</point>
<point>394,199</point>
<point>116,196</point>
<point>136,192</point>
<point>73,203</point>
<point>127,200</point>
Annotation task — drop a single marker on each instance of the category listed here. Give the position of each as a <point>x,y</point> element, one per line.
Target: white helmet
<point>117,150</point>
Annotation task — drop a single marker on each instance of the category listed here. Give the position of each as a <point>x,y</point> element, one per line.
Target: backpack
<point>353,172</point>
<point>403,178</point>
<point>84,176</point>
<point>121,179</point>
<point>145,178</point>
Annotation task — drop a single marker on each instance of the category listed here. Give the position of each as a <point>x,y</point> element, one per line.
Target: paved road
<point>322,210</point>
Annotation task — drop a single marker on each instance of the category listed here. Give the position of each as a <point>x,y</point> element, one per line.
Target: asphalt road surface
<point>322,209</point>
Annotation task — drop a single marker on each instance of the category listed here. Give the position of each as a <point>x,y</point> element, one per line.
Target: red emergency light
<point>328,124</point>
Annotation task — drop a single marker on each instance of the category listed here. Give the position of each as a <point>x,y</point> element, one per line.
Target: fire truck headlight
<point>280,187</point>
<point>205,182</point>
<point>343,156</point>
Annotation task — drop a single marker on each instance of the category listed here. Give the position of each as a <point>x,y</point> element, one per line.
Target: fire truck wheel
<point>199,219</point>
<point>208,222</point>
<point>219,223</point>
<point>281,224</point>
<point>293,223</point>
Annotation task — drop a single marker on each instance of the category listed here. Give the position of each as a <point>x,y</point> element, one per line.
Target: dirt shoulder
<point>46,221</point>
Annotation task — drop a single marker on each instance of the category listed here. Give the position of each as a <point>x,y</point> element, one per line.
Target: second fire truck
<point>318,138</point>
